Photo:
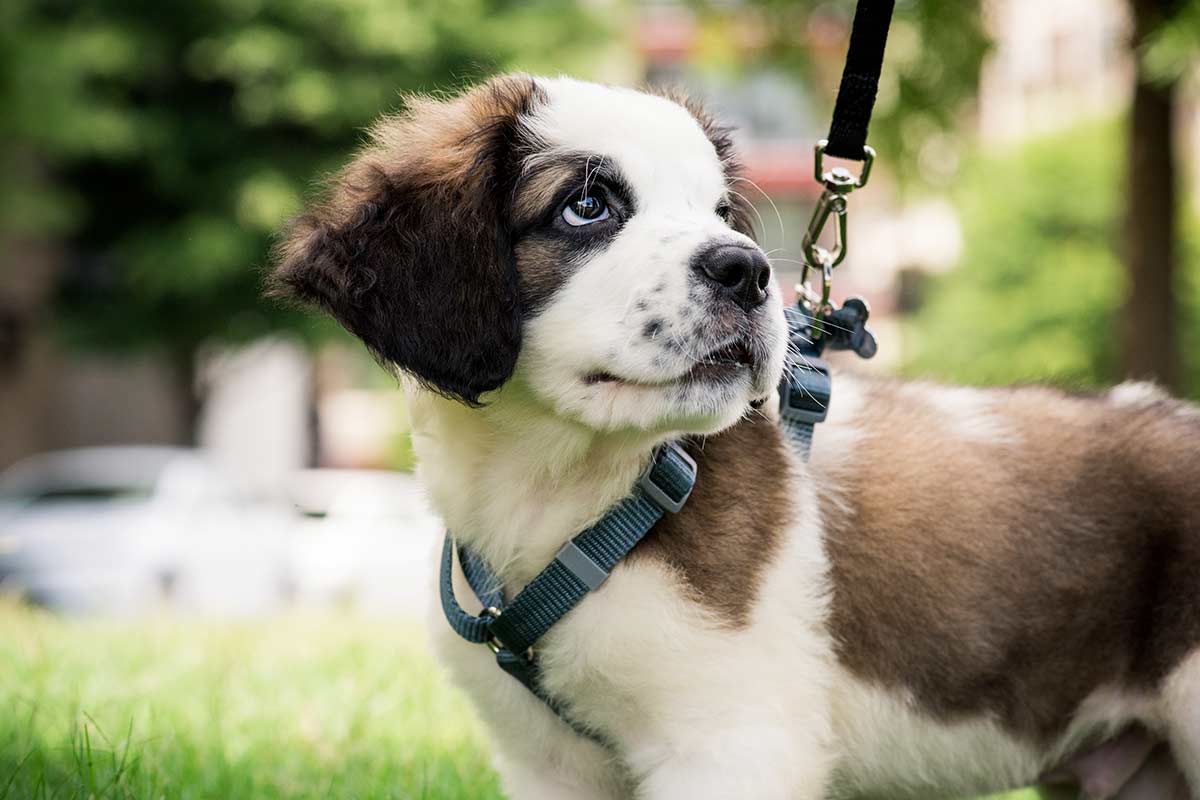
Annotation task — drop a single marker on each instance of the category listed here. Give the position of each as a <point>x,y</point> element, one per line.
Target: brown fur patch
<point>543,265</point>
<point>729,532</point>
<point>1016,578</point>
<point>541,184</point>
<point>543,262</point>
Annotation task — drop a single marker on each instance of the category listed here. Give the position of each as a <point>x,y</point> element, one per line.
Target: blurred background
<point>171,444</point>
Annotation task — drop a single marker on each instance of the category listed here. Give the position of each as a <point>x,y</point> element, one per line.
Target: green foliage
<point>1174,48</point>
<point>165,142</point>
<point>1040,285</point>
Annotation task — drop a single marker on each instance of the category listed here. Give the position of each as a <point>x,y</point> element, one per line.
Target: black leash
<point>860,79</point>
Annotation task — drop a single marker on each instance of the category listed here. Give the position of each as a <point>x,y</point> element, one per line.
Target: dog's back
<point>1019,555</point>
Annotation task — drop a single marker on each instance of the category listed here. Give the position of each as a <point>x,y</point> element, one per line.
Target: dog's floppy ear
<point>411,253</point>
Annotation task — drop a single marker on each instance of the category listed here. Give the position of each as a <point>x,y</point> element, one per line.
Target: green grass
<point>290,708</point>
<point>295,708</point>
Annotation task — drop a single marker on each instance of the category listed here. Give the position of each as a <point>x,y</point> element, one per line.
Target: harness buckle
<point>668,455</point>
<point>804,393</point>
<point>494,644</point>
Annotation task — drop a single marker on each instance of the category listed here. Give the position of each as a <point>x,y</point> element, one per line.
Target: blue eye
<point>585,211</point>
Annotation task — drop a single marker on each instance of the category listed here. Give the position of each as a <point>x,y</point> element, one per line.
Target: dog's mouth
<point>719,365</point>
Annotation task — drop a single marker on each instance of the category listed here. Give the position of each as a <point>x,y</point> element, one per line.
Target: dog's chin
<point>705,399</point>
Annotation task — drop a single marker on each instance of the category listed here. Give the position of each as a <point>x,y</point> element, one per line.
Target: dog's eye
<point>585,211</point>
<point>725,212</point>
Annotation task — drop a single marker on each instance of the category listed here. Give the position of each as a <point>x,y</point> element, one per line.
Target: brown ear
<point>411,251</point>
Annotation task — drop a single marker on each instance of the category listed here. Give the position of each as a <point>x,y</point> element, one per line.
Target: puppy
<point>961,589</point>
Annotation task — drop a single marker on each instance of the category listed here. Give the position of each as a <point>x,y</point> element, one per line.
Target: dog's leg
<point>748,762</point>
<point>1158,779</point>
<point>527,780</point>
<point>1181,710</point>
<point>1134,766</point>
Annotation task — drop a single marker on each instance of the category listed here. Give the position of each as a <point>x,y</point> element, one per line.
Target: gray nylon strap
<point>580,566</point>
<point>558,588</point>
<point>801,436</point>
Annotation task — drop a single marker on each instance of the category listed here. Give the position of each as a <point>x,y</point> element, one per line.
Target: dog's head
<point>589,244</point>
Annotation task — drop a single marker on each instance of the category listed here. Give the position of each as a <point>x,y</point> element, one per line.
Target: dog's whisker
<point>762,223</point>
<point>778,216</point>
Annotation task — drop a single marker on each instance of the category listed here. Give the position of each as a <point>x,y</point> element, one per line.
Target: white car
<point>368,540</point>
<point>124,530</point>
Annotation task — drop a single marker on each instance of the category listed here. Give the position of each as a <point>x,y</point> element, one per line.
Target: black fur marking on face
<point>652,328</point>
<point>549,249</point>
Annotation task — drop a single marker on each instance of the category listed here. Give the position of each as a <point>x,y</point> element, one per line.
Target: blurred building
<point>52,398</point>
<point>1052,65</point>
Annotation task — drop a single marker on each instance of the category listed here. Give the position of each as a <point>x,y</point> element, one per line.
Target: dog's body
<point>961,589</point>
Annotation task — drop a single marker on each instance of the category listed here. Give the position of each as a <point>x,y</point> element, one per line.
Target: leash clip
<point>840,179</point>
<point>838,183</point>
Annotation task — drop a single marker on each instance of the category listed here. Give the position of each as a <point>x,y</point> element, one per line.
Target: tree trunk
<point>1149,345</point>
<point>187,391</point>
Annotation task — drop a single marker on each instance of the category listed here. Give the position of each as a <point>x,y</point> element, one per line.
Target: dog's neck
<point>515,481</point>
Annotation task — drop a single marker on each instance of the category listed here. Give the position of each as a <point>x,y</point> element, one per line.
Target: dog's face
<point>586,248</point>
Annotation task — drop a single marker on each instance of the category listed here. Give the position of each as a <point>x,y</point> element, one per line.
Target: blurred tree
<point>1044,285</point>
<point>1150,346</point>
<point>165,142</point>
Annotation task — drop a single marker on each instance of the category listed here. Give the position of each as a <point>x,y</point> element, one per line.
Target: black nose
<point>741,273</point>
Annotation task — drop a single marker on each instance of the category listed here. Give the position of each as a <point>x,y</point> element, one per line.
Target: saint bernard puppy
<point>961,591</point>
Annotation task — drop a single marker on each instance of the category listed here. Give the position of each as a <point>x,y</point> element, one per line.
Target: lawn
<point>297,707</point>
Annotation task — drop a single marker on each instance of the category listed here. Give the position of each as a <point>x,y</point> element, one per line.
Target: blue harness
<point>511,629</point>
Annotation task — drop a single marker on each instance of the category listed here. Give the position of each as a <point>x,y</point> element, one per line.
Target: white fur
<point>1181,712</point>
<point>696,709</point>
<point>890,748</point>
<point>594,322</point>
<point>1136,394</point>
<point>970,413</point>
